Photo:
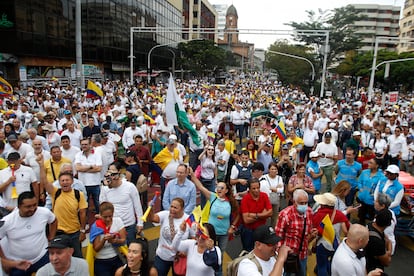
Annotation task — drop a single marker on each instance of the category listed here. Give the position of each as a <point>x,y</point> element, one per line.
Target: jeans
<point>94,191</point>
<point>75,242</point>
<point>131,233</point>
<point>323,260</point>
<point>209,184</point>
<point>239,129</point>
<point>328,173</point>
<point>222,241</point>
<point>107,267</point>
<point>33,268</point>
<point>163,267</point>
<point>246,236</point>
<point>302,267</point>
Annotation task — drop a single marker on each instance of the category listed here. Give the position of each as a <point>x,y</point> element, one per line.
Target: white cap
<point>393,169</point>
<point>313,154</point>
<point>356,133</point>
<point>173,136</point>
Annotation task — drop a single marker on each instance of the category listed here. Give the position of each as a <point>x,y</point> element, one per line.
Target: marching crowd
<point>284,171</point>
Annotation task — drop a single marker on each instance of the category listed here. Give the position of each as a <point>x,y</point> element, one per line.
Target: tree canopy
<point>342,38</point>
<point>202,56</point>
<point>291,70</point>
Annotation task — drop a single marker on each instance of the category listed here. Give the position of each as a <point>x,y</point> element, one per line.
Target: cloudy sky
<point>272,14</point>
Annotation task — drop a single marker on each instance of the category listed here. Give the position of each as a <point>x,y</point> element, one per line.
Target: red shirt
<point>145,156</point>
<point>322,212</point>
<point>364,160</point>
<point>290,228</point>
<point>250,205</point>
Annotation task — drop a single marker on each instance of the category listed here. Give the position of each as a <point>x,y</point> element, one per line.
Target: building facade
<point>199,14</point>
<point>221,10</point>
<point>40,34</point>
<point>380,20</point>
<point>407,27</point>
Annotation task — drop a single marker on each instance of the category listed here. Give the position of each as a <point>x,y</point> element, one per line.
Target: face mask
<point>302,208</point>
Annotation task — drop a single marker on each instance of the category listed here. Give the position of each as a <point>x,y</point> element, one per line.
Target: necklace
<point>135,271</point>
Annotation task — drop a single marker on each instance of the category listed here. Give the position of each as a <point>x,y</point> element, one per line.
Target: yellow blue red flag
<point>93,90</point>
<point>328,231</point>
<point>281,131</point>
<point>5,88</point>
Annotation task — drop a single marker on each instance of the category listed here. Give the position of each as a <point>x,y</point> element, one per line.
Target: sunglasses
<point>220,188</point>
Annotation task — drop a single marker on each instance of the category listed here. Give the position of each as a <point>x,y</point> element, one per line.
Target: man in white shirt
<point>238,118</point>
<point>349,257</point>
<point>265,242</point>
<point>68,151</point>
<point>15,145</point>
<point>396,143</point>
<point>329,155</point>
<point>310,139</point>
<point>89,166</point>
<point>24,230</point>
<point>129,134</point>
<point>74,134</point>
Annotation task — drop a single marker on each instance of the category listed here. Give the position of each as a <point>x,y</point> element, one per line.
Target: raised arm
<point>198,184</point>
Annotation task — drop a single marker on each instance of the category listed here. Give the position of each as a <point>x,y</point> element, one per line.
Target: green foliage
<point>202,56</point>
<point>291,71</point>
<point>360,65</point>
<point>341,37</point>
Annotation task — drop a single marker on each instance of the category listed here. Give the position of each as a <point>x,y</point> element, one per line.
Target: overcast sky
<point>272,14</point>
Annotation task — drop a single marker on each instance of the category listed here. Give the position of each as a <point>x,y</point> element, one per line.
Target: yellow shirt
<point>229,146</point>
<point>3,164</point>
<point>66,210</point>
<point>56,168</point>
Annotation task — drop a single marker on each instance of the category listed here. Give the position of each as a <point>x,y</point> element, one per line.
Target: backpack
<point>233,266</point>
<point>59,192</point>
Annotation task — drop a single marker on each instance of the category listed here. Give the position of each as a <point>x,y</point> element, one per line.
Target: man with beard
<point>25,251</point>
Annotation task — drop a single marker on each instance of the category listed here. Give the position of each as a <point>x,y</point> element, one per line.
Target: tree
<point>291,70</point>
<point>202,56</point>
<point>342,37</point>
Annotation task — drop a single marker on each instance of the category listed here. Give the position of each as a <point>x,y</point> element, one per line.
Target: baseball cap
<point>285,147</point>
<point>67,112</point>
<point>12,138</point>
<point>393,169</point>
<point>313,154</point>
<point>173,137</point>
<point>265,234</point>
<point>356,133</point>
<point>328,134</point>
<point>60,241</point>
<point>170,141</point>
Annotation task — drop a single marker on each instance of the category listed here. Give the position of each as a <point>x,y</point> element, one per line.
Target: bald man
<point>349,258</point>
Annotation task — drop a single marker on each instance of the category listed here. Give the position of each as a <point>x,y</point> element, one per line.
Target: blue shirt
<point>348,172</point>
<point>265,158</point>
<point>314,166</point>
<point>220,212</point>
<point>367,185</point>
<point>186,191</point>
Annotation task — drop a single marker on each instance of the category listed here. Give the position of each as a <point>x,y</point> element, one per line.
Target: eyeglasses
<point>210,149</point>
<point>111,174</point>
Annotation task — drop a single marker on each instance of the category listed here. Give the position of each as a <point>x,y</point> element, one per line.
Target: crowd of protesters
<point>253,168</point>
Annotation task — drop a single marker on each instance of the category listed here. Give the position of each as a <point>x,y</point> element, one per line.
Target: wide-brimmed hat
<point>326,199</point>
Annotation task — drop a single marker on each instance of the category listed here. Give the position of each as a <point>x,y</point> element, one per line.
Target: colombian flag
<point>281,131</point>
<point>5,88</point>
<point>328,231</point>
<point>195,216</point>
<point>93,90</point>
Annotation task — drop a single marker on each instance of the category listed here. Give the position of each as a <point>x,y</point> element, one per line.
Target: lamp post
<point>382,39</point>
<point>78,41</point>
<point>162,45</point>
<point>297,57</point>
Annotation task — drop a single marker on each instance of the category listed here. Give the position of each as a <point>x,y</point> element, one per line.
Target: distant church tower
<point>231,25</point>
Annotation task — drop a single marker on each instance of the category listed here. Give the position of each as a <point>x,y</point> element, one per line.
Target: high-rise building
<point>380,20</point>
<point>198,14</point>
<point>40,34</point>
<point>407,28</point>
<point>221,10</point>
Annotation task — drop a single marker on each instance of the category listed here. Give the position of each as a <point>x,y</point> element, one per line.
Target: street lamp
<point>297,57</point>
<point>382,39</point>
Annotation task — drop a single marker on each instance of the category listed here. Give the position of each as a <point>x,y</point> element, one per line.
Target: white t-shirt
<point>267,183</point>
<point>25,176</point>
<point>249,268</point>
<point>108,251</point>
<point>26,237</point>
<point>195,262</point>
<point>164,248</point>
<point>88,178</point>
<point>327,150</point>
<point>74,136</point>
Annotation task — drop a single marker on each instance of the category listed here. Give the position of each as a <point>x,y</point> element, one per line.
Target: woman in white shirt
<point>272,185</point>
<point>208,171</point>
<point>112,234</point>
<point>197,249</point>
<point>380,148</point>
